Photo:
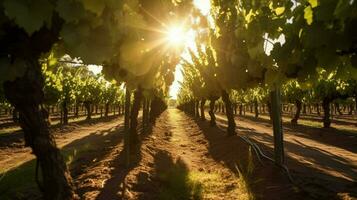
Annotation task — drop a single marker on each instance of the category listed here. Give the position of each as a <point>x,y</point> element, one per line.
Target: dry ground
<point>322,161</point>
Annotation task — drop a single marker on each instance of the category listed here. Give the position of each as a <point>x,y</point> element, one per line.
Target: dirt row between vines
<point>180,158</point>
<point>322,161</point>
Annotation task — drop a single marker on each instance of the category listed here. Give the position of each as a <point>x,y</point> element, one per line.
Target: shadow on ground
<point>170,180</point>
<point>115,187</point>
<point>330,136</point>
<point>17,137</point>
<point>267,181</point>
<point>310,178</point>
<point>19,183</point>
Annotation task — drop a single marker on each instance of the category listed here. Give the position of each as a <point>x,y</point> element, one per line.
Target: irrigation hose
<point>260,153</point>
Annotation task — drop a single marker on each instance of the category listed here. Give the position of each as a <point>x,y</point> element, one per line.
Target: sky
<point>204,6</point>
<point>96,69</point>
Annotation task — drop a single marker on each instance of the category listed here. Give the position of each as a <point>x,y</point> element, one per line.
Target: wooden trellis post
<point>277,126</point>
<point>126,125</point>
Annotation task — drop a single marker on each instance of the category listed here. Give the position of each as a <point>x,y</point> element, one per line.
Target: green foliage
<point>292,91</point>
<point>330,87</point>
<point>30,15</point>
<point>4,104</point>
<point>111,93</point>
<point>52,87</point>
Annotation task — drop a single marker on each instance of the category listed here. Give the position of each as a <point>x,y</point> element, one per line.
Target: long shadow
<point>7,140</point>
<point>329,136</point>
<point>88,151</point>
<point>112,189</point>
<point>267,179</point>
<point>19,183</point>
<point>335,119</point>
<point>8,124</point>
<point>88,121</point>
<point>170,180</point>
<point>320,181</point>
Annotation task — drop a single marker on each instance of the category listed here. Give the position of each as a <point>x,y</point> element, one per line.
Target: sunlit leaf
<point>308,15</point>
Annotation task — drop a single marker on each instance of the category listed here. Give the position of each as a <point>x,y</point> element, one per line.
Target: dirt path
<point>171,166</point>
<point>180,158</point>
<point>322,160</point>
<point>13,156</point>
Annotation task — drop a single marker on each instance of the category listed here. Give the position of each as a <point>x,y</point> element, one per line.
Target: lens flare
<point>176,35</point>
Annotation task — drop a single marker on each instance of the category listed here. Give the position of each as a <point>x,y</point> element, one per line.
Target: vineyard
<point>178,99</point>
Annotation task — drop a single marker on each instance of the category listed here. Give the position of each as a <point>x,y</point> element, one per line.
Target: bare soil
<point>13,153</point>
<point>323,161</point>
<point>180,157</point>
<point>174,150</point>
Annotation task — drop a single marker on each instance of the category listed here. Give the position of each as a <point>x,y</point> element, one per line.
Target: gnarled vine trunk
<point>240,109</point>
<point>133,132</point>
<point>106,110</point>
<point>256,115</point>
<point>338,108</point>
<point>326,107</point>
<point>211,111</point>
<point>318,109</point>
<point>269,110</point>
<point>229,113</point>
<point>304,108</point>
<point>65,111</point>
<point>88,109</point>
<point>15,115</point>
<point>76,110</point>
<point>202,107</point>
<point>197,108</point>
<point>297,113</point>
<point>145,119</point>
<point>350,109</point>
<point>26,94</point>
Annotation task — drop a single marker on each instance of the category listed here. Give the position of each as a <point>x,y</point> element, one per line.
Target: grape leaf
<point>95,6</point>
<point>279,10</point>
<point>30,15</point>
<point>308,15</point>
<point>313,3</point>
<point>70,10</point>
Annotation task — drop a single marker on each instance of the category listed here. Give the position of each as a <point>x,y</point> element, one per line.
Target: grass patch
<point>245,177</point>
<point>203,185</point>
<point>177,184</point>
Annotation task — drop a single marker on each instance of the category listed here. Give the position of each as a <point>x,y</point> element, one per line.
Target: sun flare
<point>176,35</point>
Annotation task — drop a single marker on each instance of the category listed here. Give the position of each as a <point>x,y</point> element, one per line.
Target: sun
<point>176,35</point>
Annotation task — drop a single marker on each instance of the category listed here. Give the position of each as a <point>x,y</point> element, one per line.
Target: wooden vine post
<point>275,97</point>
<point>126,126</point>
